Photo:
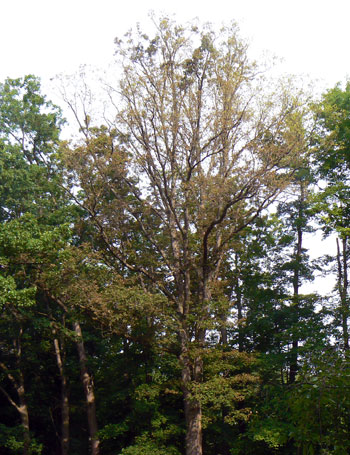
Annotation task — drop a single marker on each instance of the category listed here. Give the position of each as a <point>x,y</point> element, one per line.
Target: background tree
<point>36,213</point>
<point>332,166</point>
<point>29,128</point>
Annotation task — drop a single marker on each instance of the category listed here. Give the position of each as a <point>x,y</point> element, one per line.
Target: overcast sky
<point>46,37</point>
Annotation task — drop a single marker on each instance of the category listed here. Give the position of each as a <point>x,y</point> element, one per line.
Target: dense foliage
<point>152,272</point>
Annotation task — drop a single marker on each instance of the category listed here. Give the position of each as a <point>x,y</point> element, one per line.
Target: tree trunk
<point>18,385</point>
<point>239,305</point>
<point>64,401</point>
<point>240,318</point>
<point>89,391</point>
<point>193,410</point>
<point>20,388</point>
<point>192,371</point>
<point>193,414</point>
<point>296,277</point>
<point>223,331</point>
<point>24,414</point>
<point>343,289</point>
<point>293,368</point>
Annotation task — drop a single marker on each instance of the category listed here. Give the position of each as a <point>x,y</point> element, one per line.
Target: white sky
<point>47,37</point>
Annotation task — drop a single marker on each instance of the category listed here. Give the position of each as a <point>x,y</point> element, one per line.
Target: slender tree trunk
<point>89,391</point>
<point>296,278</point>
<point>240,317</point>
<point>296,281</point>
<point>64,401</point>
<point>24,414</point>
<point>223,331</point>
<point>343,285</point>
<point>238,293</point>
<point>22,407</point>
